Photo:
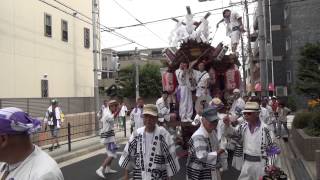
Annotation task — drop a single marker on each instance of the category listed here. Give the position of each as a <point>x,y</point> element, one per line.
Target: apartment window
<point>64,30</point>
<point>288,43</point>
<point>47,25</point>
<point>289,80</point>
<point>86,38</point>
<point>44,88</point>
<point>286,12</point>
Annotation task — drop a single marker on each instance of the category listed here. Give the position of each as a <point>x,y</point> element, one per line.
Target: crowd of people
<point>239,138</point>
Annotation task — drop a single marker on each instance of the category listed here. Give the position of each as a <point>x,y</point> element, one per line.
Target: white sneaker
<point>100,173</point>
<point>109,170</point>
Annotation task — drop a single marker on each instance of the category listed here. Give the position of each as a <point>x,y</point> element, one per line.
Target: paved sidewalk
<point>84,145</point>
<point>294,162</point>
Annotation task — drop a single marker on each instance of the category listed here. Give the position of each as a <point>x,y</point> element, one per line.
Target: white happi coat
<point>107,133</point>
<point>202,80</point>
<point>163,110</point>
<point>137,118</point>
<point>253,144</point>
<point>123,111</point>
<point>49,119</point>
<point>161,161</point>
<point>231,23</point>
<point>184,88</point>
<point>37,166</point>
<point>266,117</point>
<point>237,104</point>
<point>203,160</point>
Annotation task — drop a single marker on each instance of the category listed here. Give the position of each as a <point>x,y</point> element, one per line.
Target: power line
<point>71,14</point>
<point>140,22</point>
<point>112,31</point>
<point>120,45</point>
<point>105,28</point>
<point>73,9</point>
<point>200,12</point>
<point>169,18</point>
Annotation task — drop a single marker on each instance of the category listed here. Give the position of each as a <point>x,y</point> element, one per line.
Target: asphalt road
<point>86,170</point>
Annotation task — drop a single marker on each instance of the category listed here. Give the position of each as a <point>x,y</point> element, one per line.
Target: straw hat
<point>150,109</point>
<point>251,107</point>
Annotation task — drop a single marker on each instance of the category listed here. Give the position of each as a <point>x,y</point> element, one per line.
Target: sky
<point>156,35</point>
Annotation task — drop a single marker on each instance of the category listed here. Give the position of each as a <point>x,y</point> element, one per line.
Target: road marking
<point>81,158</point>
<point>86,156</point>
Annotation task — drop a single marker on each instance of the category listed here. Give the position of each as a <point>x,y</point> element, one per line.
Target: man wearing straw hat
<point>255,138</point>
<point>150,152</point>
<point>19,158</point>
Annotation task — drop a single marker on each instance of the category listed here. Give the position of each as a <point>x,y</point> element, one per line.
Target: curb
<point>71,155</point>
<point>297,155</point>
<point>83,151</point>
<point>287,154</point>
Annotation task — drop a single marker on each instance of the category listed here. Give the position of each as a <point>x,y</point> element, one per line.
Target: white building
<point>38,38</point>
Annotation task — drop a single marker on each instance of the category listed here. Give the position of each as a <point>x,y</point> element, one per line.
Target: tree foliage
<point>149,81</point>
<point>308,71</point>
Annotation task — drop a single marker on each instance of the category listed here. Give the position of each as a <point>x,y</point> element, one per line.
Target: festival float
<point>192,42</point>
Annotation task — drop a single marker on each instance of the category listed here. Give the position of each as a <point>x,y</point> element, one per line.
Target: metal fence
<point>37,107</point>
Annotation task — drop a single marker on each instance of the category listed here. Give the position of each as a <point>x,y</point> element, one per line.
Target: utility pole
<point>250,56</point>
<point>243,67</point>
<point>95,62</point>
<point>137,72</point>
<point>262,48</point>
<point>266,47</point>
<point>271,47</point>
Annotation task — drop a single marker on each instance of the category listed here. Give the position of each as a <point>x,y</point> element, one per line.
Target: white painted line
<point>81,158</point>
<point>86,156</point>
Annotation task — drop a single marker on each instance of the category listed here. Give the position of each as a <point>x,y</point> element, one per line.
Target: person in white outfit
<point>202,79</point>
<point>108,137</point>
<point>123,114</point>
<point>19,158</point>
<point>150,152</point>
<point>265,115</point>
<point>136,116</point>
<point>234,27</point>
<point>53,118</point>
<point>254,138</point>
<point>103,106</point>
<point>163,107</point>
<point>185,77</point>
<point>204,149</point>
<point>238,103</point>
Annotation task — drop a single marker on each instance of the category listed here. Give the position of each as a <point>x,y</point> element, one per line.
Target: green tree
<point>149,81</point>
<point>308,71</point>
<point>127,82</point>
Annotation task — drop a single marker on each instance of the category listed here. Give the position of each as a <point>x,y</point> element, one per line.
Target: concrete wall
<point>26,54</point>
<point>302,141</point>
